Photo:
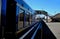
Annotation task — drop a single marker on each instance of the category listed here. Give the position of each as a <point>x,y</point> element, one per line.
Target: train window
<point>23,18</point>
<point>27,19</point>
<point>20,19</point>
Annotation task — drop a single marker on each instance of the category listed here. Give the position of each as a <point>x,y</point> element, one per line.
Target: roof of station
<point>41,12</point>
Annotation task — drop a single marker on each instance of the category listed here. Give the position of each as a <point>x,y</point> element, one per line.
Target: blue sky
<point>51,6</point>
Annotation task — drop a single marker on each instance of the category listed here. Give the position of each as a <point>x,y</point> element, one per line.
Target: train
<point>16,14</point>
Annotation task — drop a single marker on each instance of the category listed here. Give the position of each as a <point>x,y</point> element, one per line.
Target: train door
<point>27,19</point>
<point>0,20</point>
<point>20,18</point>
<point>8,19</point>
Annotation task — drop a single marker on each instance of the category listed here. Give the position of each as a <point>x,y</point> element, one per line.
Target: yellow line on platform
<point>21,30</point>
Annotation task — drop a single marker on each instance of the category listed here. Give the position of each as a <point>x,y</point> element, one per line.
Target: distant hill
<point>56,18</point>
<point>57,15</point>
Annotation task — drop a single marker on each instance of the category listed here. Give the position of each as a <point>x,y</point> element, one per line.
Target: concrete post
<point>46,18</point>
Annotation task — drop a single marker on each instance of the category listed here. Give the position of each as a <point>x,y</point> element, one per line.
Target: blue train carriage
<point>11,10</point>
<point>23,14</point>
<point>0,20</point>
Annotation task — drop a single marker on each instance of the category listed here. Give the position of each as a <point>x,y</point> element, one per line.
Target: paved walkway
<point>55,28</point>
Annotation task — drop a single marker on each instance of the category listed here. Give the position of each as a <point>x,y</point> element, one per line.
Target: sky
<point>51,6</point>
